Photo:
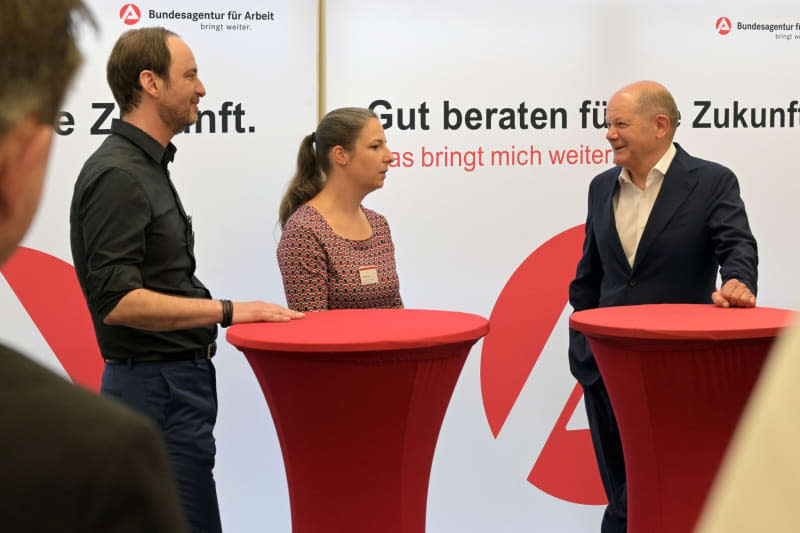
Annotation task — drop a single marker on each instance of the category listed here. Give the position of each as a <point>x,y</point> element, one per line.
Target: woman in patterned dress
<point>335,253</point>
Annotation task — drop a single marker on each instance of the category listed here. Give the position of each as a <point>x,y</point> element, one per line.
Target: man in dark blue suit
<point>659,226</point>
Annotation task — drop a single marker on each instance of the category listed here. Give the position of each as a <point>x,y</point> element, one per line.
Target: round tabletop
<point>357,330</point>
<point>681,322</point>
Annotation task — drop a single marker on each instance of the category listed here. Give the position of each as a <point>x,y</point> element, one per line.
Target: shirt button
<point>632,283</point>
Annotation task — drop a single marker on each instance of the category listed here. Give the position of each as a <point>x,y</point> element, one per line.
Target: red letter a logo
<point>521,323</point>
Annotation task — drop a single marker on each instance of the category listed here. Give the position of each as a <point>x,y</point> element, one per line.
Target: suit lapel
<point>675,189</point>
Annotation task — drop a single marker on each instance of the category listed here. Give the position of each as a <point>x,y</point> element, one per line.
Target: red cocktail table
<point>357,398</point>
<point>678,377</point>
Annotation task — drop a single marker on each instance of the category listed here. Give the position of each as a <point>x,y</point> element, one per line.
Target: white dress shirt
<point>632,205</point>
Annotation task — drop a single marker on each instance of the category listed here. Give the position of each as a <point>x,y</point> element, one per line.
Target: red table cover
<point>358,398</point>
<point>359,330</point>
<point>681,322</point>
<point>679,377</point>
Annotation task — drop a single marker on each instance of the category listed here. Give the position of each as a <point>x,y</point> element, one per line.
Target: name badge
<point>369,275</point>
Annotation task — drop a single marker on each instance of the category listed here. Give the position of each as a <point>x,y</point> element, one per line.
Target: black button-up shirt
<point>128,230</point>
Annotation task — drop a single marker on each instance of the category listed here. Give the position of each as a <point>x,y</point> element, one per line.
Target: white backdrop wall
<point>460,233</point>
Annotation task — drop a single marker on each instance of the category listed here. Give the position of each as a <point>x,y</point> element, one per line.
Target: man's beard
<point>176,119</point>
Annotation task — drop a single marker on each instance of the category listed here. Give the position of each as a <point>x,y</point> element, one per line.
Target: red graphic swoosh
<point>566,467</point>
<point>521,323</point>
<point>49,291</point>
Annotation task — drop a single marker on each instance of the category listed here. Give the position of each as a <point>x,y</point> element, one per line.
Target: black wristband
<point>227,313</point>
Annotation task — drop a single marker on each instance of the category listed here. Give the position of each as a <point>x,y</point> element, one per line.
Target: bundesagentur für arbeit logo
<point>207,20</point>
<point>786,30</point>
<point>130,14</point>
<point>723,25</point>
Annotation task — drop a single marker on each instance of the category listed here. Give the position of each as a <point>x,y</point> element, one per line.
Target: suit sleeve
<point>731,238</point>
<point>584,293</point>
<point>135,491</point>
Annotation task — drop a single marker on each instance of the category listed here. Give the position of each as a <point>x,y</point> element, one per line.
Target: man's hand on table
<point>733,293</point>
<point>262,312</point>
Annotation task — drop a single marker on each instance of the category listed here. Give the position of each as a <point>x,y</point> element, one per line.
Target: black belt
<point>206,352</point>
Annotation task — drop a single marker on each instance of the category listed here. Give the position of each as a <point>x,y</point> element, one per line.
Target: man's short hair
<point>135,51</point>
<point>659,101</point>
<point>38,57</point>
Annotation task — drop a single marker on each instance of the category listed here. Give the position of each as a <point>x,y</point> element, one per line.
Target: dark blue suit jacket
<point>698,224</point>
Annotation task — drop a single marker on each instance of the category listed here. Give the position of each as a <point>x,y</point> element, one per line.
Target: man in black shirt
<point>70,461</point>
<point>132,244</point>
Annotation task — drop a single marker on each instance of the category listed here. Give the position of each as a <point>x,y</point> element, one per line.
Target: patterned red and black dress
<point>322,270</point>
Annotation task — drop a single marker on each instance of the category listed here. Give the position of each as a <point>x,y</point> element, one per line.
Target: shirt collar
<point>150,146</point>
<point>661,167</point>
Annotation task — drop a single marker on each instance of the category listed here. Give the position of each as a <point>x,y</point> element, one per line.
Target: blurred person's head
<point>348,142</point>
<point>39,58</point>
<point>151,71</point>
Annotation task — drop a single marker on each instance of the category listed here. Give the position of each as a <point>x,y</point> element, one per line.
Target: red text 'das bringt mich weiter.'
<point>511,156</point>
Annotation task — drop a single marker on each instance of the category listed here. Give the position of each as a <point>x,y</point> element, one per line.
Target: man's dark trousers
<point>181,398</point>
<point>608,450</point>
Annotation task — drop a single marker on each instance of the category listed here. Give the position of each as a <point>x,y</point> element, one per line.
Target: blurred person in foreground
<point>70,461</point>
<point>758,483</point>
